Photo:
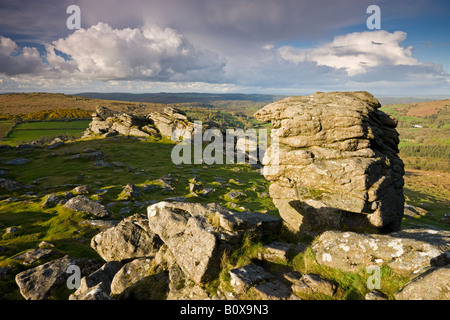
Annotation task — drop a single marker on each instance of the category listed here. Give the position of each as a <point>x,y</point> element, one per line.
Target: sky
<point>289,47</point>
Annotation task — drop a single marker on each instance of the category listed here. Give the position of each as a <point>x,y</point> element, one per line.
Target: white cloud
<point>14,60</point>
<point>152,53</point>
<point>356,52</point>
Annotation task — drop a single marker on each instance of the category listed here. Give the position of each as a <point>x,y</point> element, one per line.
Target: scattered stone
<point>406,252</point>
<point>176,199</point>
<point>414,212</point>
<point>248,276</point>
<point>273,290</point>
<point>83,189</point>
<point>33,255</point>
<point>40,282</point>
<point>235,195</point>
<point>338,163</point>
<point>131,238</point>
<point>5,271</point>
<point>45,244</point>
<point>434,284</point>
<point>50,201</point>
<point>11,230</point>
<point>125,210</point>
<point>102,163</point>
<point>17,161</point>
<point>129,192</point>
<point>84,204</point>
<point>206,191</point>
<point>194,187</point>
<point>101,224</point>
<point>375,295</point>
<point>445,219</point>
<point>275,251</point>
<point>311,284</point>
<point>97,285</point>
<point>10,185</point>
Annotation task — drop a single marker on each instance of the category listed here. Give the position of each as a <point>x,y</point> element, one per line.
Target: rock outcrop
<point>198,234</point>
<point>109,123</point>
<point>170,120</point>
<point>336,164</point>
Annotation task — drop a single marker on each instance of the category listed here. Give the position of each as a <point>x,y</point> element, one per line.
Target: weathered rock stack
<point>108,123</point>
<point>338,162</point>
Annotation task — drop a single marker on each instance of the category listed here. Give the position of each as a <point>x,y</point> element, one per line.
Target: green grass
<point>52,171</point>
<point>5,127</point>
<point>28,131</point>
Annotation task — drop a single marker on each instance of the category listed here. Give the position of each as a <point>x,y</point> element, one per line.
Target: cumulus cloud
<point>151,53</point>
<point>356,52</point>
<point>103,53</point>
<point>14,60</point>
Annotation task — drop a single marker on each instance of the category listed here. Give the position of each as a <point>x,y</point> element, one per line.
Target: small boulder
<point>83,189</point>
<point>130,192</point>
<point>10,185</point>
<point>311,284</point>
<point>50,201</point>
<point>84,204</point>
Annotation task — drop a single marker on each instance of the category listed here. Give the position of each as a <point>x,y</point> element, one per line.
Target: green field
<point>29,131</point>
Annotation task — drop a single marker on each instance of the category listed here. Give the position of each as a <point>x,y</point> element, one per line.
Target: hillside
<point>24,103</point>
<point>424,134</point>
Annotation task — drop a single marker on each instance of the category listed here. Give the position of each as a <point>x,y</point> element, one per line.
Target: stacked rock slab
<point>109,122</point>
<point>336,165</point>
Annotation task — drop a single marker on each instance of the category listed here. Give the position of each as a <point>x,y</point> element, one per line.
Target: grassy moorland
<point>44,131</point>
<point>143,163</point>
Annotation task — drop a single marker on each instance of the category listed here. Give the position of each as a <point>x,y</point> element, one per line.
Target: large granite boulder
<point>131,238</point>
<point>198,234</point>
<point>336,162</point>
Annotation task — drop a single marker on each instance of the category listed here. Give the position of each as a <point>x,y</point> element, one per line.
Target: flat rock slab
<point>40,282</point>
<point>84,204</point>
<point>434,284</point>
<point>406,252</point>
<point>311,284</point>
<point>34,255</point>
<point>247,276</point>
<point>18,161</point>
<point>273,290</point>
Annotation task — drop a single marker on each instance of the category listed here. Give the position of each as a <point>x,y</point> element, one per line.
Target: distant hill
<point>404,100</point>
<point>25,103</point>
<point>185,97</point>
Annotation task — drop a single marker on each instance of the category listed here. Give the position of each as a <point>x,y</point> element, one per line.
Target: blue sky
<point>250,46</point>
